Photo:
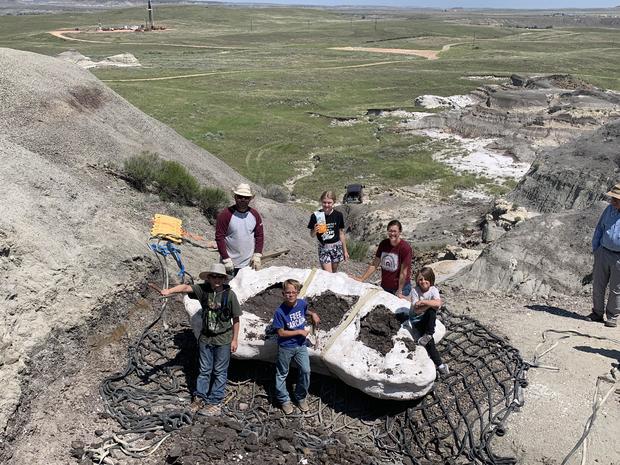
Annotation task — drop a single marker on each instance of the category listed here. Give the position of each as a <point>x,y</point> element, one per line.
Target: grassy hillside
<point>249,84</point>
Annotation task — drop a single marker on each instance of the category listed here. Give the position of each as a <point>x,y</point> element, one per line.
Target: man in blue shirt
<point>606,249</point>
<point>290,321</point>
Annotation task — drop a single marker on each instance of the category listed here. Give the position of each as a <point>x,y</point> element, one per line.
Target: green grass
<point>266,71</point>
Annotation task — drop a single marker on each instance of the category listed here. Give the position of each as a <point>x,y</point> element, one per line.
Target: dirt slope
<point>70,232</point>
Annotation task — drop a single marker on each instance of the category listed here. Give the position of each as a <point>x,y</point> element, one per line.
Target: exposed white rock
<point>120,60</point>
<point>400,374</point>
<point>445,269</point>
<point>453,101</point>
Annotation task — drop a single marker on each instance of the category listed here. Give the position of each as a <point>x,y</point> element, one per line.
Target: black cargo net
<point>454,423</point>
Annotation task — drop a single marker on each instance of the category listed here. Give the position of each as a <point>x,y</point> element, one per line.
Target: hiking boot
<point>197,404</point>
<point>212,410</point>
<point>287,408</point>
<point>303,405</point>
<point>612,322</point>
<point>443,369</point>
<point>595,317</point>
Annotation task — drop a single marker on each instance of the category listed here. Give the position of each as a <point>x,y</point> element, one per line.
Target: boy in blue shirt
<point>289,321</point>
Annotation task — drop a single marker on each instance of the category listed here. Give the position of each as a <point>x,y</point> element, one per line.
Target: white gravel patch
<point>486,78</point>
<point>412,115</point>
<point>338,123</point>
<point>477,159</point>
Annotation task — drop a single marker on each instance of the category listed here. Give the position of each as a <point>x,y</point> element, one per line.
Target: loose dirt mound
<point>379,327</point>
<point>219,441</point>
<point>265,303</point>
<point>331,308</point>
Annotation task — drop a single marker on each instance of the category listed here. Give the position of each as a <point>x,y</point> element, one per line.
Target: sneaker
<point>425,340</point>
<point>443,369</point>
<point>287,408</point>
<point>303,405</point>
<point>612,322</point>
<point>212,410</point>
<point>595,317</point>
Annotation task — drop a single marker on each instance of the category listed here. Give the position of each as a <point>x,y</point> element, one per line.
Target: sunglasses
<point>243,197</point>
<point>216,276</point>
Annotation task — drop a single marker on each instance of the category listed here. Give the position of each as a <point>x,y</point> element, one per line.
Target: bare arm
<point>316,319</point>
<point>372,267</point>
<point>235,340</point>
<point>292,332</point>
<point>343,239</point>
<point>178,289</point>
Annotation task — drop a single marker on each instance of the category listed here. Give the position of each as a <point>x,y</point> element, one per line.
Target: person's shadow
<point>557,311</point>
<point>611,353</point>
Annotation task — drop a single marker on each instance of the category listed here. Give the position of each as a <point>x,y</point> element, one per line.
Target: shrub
<point>358,250</point>
<point>176,183</point>
<point>278,193</point>
<point>211,200</point>
<point>172,181</point>
<point>142,169</point>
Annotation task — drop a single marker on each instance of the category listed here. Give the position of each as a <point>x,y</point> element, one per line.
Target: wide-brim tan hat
<point>243,190</point>
<point>614,192</point>
<point>214,268</point>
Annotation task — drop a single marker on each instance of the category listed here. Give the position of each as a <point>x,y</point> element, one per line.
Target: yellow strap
<point>350,317</point>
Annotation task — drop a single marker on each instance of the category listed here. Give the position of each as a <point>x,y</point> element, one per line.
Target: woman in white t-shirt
<point>425,301</point>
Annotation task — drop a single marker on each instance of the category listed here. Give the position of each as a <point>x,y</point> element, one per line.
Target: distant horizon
<point>468,4</point>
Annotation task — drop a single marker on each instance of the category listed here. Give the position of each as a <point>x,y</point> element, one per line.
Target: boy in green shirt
<point>219,336</point>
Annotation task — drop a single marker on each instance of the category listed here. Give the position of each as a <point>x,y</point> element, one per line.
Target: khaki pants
<point>606,272</point>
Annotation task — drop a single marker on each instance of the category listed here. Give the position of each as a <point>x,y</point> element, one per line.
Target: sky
<point>521,4</point>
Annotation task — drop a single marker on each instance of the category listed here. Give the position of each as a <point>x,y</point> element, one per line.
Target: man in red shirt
<point>239,233</point>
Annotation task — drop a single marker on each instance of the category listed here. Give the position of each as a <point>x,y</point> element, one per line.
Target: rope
<point>138,397</point>
<point>612,377</point>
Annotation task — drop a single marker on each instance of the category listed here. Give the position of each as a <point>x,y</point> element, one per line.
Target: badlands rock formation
<point>573,175</point>
<point>528,115</point>
<point>549,253</point>
<point>552,252</point>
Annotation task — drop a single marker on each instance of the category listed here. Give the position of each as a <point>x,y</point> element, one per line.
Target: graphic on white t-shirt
<point>389,261</point>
